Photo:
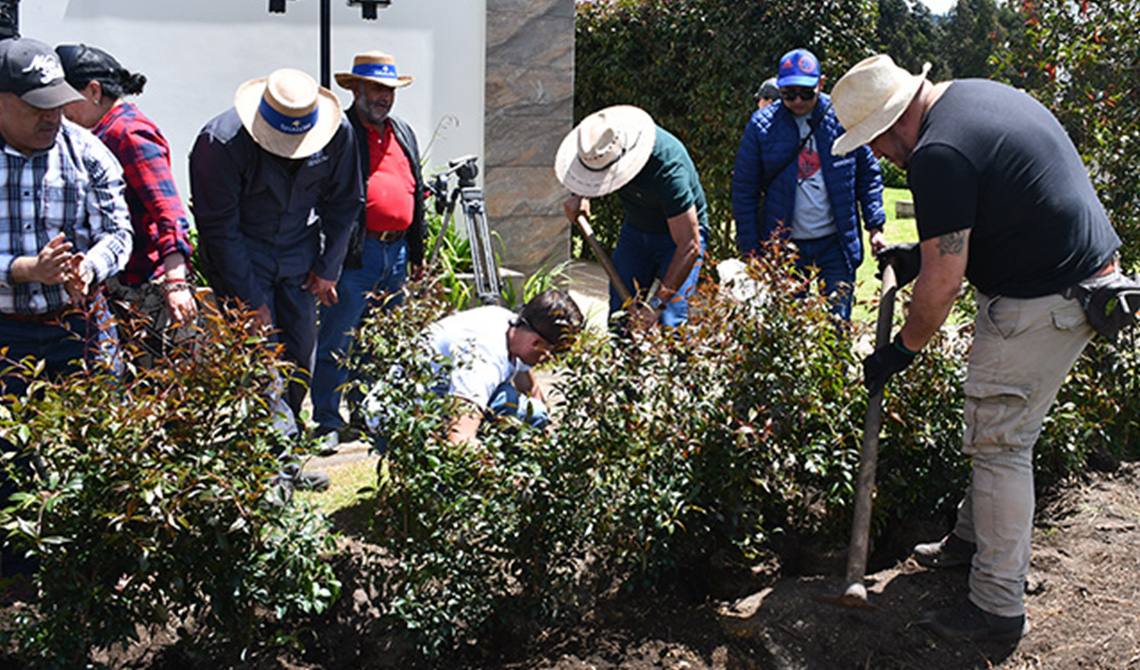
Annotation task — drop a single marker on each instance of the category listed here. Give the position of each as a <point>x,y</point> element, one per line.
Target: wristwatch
<point>655,303</point>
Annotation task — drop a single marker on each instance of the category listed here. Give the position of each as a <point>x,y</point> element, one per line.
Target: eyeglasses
<point>790,94</point>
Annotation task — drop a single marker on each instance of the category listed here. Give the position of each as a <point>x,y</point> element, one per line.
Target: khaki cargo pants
<point>1023,350</point>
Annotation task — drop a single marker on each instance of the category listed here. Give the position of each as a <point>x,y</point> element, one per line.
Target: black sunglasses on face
<point>791,94</point>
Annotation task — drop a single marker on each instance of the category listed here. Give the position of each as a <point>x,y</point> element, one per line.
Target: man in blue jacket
<point>788,184</point>
<point>275,184</point>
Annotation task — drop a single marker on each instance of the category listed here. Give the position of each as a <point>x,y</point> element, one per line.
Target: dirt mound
<point>1083,600</point>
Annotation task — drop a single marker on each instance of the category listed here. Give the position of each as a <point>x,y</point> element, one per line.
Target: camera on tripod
<point>467,194</point>
<point>466,168</point>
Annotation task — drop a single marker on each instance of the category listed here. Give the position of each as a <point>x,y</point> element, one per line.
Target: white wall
<point>195,53</point>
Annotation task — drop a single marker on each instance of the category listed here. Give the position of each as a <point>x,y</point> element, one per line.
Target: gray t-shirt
<point>812,218</point>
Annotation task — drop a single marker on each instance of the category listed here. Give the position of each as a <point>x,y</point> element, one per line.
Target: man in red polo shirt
<point>389,235</point>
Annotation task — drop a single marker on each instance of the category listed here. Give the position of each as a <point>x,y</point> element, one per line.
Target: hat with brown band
<point>870,98</point>
<point>606,150</point>
<point>287,114</point>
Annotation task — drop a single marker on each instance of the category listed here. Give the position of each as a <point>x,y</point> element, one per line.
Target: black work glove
<point>885,361</point>
<point>906,259</point>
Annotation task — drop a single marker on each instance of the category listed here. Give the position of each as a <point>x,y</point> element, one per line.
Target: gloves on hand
<point>906,259</point>
<point>887,360</point>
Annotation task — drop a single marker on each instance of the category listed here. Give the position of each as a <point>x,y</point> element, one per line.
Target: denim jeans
<point>641,257</point>
<point>837,280</point>
<point>384,269</point>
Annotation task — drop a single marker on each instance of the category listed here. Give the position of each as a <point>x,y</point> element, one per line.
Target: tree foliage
<point>1082,60</point>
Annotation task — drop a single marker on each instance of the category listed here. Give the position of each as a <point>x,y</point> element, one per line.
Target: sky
<point>938,6</point>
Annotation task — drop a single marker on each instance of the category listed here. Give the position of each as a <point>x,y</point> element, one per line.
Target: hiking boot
<point>350,433</point>
<point>293,477</point>
<point>967,622</point>
<point>949,552</point>
<point>326,441</point>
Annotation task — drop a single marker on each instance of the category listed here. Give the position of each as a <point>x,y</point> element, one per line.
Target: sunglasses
<point>800,92</point>
<point>554,346</point>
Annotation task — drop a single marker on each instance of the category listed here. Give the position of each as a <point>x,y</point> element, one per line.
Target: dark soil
<point>1083,600</point>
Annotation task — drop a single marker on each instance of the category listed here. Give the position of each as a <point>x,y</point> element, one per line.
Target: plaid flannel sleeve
<point>107,215</point>
<point>146,167</point>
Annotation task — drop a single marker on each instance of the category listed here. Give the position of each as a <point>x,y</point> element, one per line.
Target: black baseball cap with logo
<point>31,70</point>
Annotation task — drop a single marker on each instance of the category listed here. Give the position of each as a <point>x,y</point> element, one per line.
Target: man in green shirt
<point>620,149</point>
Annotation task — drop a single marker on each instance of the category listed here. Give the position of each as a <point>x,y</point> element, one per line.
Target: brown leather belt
<point>386,235</point>
<point>46,317</point>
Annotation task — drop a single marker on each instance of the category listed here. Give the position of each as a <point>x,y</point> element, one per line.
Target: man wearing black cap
<point>64,225</point>
<point>768,93</point>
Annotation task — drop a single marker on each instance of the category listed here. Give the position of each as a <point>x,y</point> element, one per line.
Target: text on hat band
<point>380,70</point>
<point>291,125</point>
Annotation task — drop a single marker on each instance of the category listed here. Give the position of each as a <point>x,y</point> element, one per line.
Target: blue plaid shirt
<point>75,187</point>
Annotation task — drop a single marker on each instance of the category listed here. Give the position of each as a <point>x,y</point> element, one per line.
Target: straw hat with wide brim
<point>870,98</point>
<point>606,150</point>
<point>375,66</point>
<point>287,114</point>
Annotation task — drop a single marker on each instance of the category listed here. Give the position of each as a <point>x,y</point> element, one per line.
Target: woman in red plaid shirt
<point>155,281</point>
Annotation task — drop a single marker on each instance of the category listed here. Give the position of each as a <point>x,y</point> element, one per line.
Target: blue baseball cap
<point>798,67</point>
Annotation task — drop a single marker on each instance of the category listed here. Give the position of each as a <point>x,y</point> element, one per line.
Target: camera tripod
<point>484,266</point>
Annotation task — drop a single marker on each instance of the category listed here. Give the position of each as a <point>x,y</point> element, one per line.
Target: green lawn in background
<point>897,230</point>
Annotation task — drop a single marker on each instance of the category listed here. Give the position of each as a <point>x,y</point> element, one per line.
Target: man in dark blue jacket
<point>809,195</point>
<point>276,190</point>
<point>387,238</point>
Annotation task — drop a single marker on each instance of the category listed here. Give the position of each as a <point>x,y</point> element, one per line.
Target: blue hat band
<point>290,125</point>
<point>375,70</point>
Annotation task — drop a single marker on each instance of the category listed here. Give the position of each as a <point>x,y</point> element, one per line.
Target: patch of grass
<point>897,230</point>
<point>347,480</point>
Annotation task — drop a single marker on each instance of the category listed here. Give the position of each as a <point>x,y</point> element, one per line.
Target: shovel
<point>855,593</point>
<point>603,258</point>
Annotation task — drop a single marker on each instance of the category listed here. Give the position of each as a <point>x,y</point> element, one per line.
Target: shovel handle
<point>603,258</point>
<point>869,454</point>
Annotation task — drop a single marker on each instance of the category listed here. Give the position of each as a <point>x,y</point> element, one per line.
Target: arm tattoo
<point>952,244</point>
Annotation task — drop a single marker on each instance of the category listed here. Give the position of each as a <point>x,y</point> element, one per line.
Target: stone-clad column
<point>529,108</point>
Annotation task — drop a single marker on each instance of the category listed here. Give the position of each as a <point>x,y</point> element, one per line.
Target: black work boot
<point>967,622</point>
<point>949,552</point>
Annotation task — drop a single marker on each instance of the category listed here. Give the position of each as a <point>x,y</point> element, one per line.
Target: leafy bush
<point>150,503</point>
<point>667,448</point>
<point>1096,418</point>
<point>893,175</point>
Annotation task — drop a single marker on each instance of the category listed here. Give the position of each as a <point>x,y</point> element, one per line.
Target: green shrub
<point>150,502</point>
<point>893,175</point>
<point>666,449</point>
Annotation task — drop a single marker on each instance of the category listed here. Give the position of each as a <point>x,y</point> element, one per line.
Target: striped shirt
<point>74,187</point>
<point>159,220</point>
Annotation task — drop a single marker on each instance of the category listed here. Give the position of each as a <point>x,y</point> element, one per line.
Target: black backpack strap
<point>803,142</point>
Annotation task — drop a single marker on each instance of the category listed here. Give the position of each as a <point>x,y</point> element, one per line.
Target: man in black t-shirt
<point>1003,200</point>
